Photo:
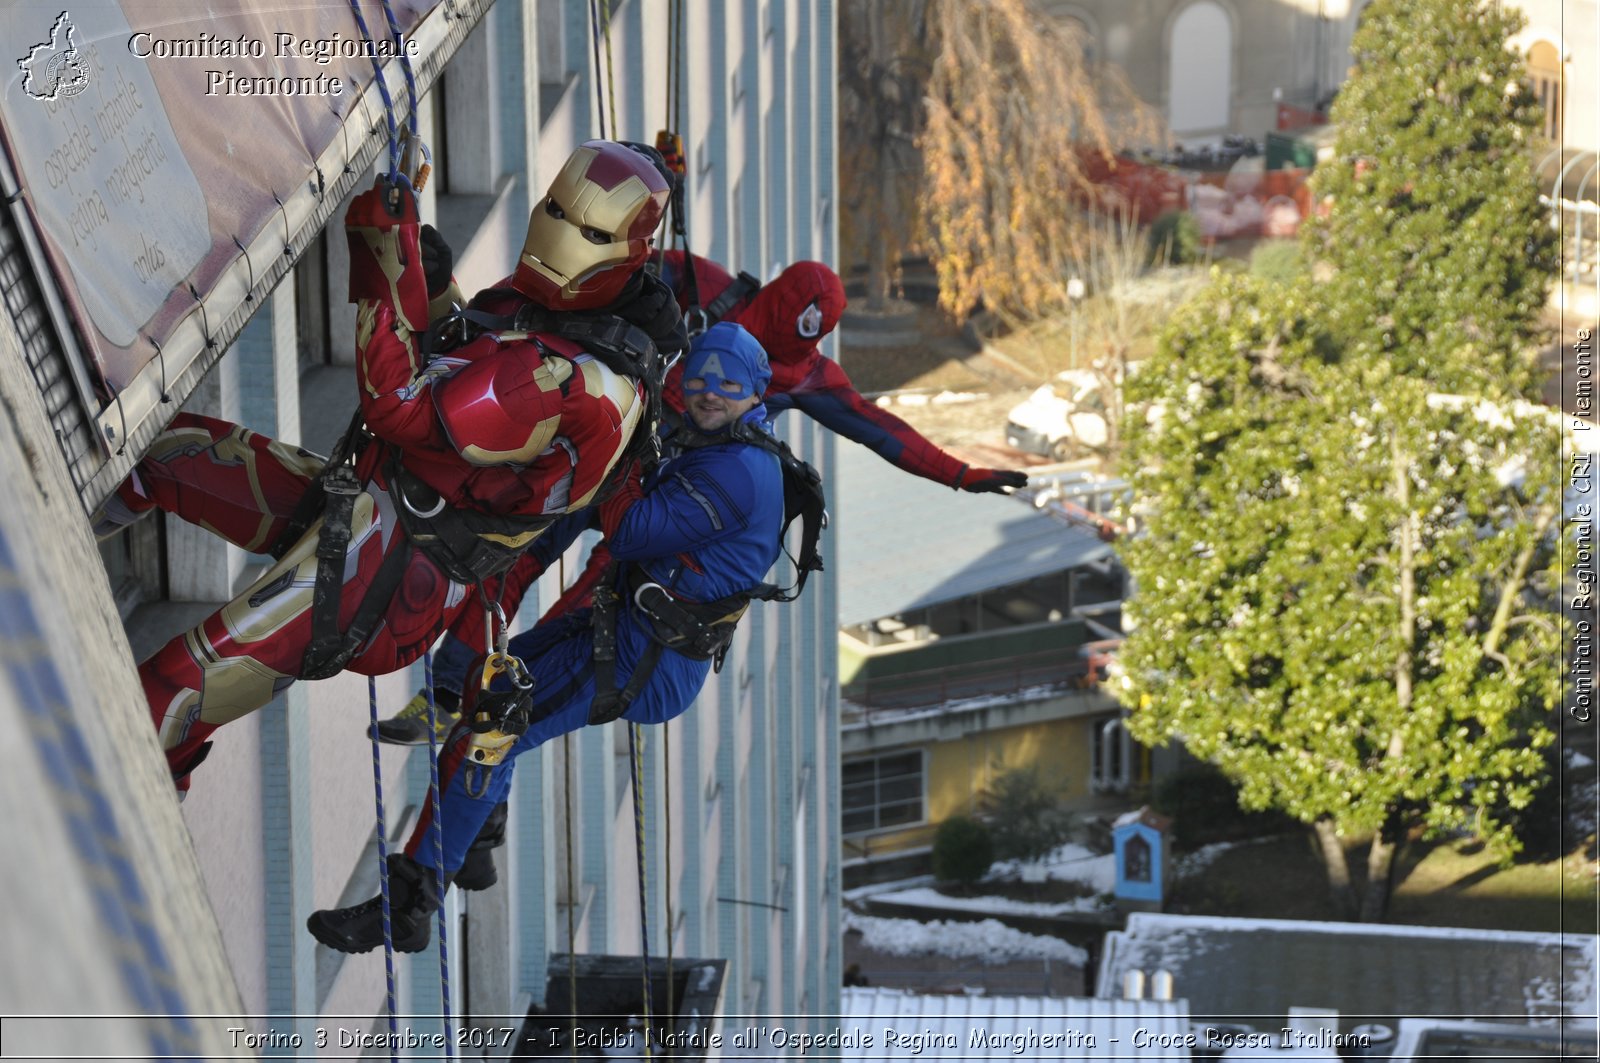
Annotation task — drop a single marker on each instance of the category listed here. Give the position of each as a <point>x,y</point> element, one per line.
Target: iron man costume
<point>512,426</point>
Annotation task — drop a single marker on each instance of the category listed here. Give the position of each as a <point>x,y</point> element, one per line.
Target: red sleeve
<point>391,296</point>
<point>828,397</point>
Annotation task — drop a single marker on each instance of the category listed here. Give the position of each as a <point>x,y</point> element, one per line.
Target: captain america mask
<point>726,360</point>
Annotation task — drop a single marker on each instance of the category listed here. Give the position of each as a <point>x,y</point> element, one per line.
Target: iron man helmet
<point>593,228</point>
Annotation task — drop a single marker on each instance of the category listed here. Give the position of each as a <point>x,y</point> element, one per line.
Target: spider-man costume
<point>507,433</point>
<point>803,379</point>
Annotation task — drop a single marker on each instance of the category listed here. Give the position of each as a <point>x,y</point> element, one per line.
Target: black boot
<point>478,870</point>
<point>413,898</point>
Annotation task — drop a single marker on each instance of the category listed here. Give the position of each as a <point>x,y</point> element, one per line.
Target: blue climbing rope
<point>383,867</point>
<point>405,65</point>
<point>636,771</point>
<point>388,105</point>
<point>438,852</point>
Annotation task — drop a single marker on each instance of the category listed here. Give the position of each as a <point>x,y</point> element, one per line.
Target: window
<point>1110,756</point>
<point>1544,74</point>
<point>882,792</point>
<point>1200,70</point>
<point>311,305</point>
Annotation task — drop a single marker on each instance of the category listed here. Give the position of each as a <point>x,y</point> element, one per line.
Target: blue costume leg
<point>450,663</point>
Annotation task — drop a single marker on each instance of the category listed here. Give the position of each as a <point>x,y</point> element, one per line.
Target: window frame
<point>877,805</point>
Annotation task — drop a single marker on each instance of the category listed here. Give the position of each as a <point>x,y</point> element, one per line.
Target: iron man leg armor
<point>244,487</point>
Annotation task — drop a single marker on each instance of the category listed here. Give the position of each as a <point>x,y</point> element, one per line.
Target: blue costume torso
<point>706,527</point>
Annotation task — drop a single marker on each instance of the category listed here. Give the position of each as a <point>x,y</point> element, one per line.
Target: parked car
<point>1063,420</point>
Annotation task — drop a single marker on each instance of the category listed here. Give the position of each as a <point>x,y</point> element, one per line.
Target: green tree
<point>1027,817</point>
<point>963,851</point>
<point>1440,252</point>
<point>1346,583</point>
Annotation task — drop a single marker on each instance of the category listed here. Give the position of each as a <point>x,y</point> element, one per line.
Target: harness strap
<point>620,346</point>
<point>609,702</point>
<point>311,503</point>
<point>339,489</point>
<point>330,649</point>
<point>698,318</point>
<point>744,284</point>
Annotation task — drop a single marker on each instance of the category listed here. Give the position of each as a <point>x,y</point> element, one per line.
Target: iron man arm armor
<point>391,296</point>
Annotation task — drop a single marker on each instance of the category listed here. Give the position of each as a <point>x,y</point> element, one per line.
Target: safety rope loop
<point>438,853</point>
<point>250,292</point>
<point>383,864</point>
<point>288,237</point>
<point>161,362</point>
<point>113,432</point>
<point>383,90</point>
<point>205,319</point>
<point>405,66</point>
<point>636,771</point>
<point>344,132</point>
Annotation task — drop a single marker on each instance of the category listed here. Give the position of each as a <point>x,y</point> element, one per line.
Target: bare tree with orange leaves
<point>1014,116</point>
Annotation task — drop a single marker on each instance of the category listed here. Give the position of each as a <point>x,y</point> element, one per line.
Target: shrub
<point>1026,815</point>
<point>1279,261</point>
<point>1175,239</point>
<point>962,851</point>
<point>1538,824</point>
<point>1204,806</point>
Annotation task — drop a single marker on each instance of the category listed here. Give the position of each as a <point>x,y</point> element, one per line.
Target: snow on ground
<point>990,942</point>
<point>1069,863</point>
<point>932,898</point>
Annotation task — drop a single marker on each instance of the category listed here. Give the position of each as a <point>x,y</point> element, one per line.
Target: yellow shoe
<point>409,726</point>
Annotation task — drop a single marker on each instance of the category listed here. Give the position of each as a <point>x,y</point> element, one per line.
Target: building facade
<point>973,638</point>
<point>740,850</point>
<point>1214,68</point>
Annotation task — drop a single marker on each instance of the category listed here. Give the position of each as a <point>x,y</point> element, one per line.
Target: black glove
<point>647,301</point>
<point>992,481</point>
<point>438,261</point>
<point>507,712</point>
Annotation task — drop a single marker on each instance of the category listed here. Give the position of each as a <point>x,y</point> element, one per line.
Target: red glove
<point>993,481</point>
<point>630,488</point>
<point>385,253</point>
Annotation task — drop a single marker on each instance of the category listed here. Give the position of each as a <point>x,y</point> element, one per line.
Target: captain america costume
<point>705,527</point>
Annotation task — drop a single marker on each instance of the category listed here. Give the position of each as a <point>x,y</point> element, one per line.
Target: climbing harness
<point>702,631</point>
